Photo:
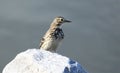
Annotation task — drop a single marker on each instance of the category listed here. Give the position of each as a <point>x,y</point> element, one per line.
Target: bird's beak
<point>67,21</point>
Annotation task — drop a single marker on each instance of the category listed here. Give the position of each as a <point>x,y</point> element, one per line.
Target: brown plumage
<point>54,35</point>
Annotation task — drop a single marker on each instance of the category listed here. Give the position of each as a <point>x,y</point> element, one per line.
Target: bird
<point>54,35</point>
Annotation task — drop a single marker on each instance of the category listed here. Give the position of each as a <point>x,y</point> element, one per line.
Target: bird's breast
<point>58,34</point>
<point>52,39</point>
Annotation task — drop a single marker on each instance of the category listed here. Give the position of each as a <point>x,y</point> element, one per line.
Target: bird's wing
<point>41,43</point>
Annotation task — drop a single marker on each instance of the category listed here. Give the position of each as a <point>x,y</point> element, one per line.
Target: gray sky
<point>93,37</point>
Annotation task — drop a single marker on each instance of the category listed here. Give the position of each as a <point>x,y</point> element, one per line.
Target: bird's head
<point>58,21</point>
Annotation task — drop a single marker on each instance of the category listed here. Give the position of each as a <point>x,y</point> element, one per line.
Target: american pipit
<point>54,35</point>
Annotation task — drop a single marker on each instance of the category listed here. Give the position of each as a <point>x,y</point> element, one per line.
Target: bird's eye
<point>62,19</point>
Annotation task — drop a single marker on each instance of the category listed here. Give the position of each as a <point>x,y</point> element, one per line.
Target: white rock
<point>40,61</point>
